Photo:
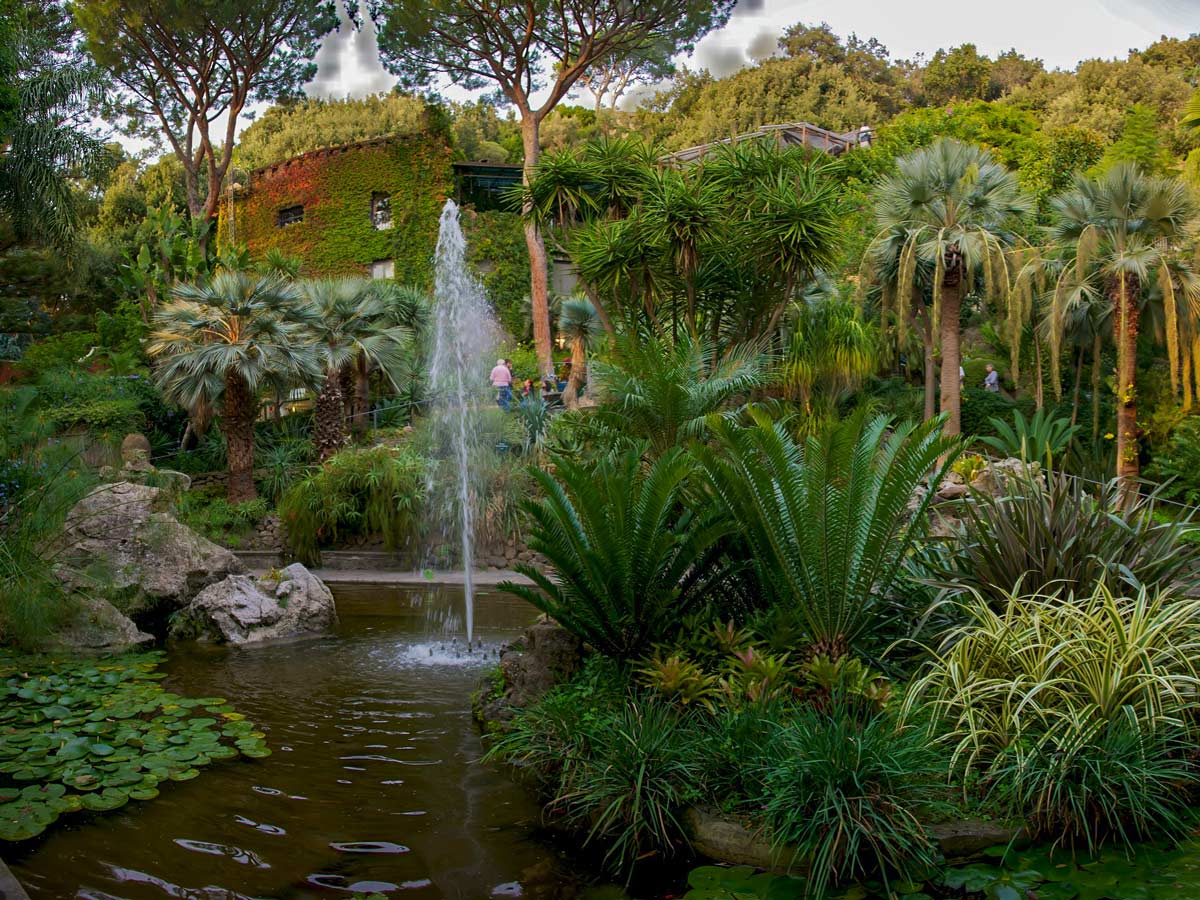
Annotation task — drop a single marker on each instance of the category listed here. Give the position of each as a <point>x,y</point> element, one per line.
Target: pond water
<point>374,782</point>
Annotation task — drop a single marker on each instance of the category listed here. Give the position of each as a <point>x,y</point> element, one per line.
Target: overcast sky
<point>1059,32</point>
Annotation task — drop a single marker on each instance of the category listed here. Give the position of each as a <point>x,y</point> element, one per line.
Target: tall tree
<point>1127,224</point>
<point>957,208</point>
<point>533,52</point>
<point>184,70</point>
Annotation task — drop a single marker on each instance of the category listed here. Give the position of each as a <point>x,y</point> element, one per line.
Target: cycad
<point>828,522</point>
<point>627,557</point>
<point>223,341</point>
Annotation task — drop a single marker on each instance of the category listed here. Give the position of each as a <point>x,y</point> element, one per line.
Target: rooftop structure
<point>796,134</point>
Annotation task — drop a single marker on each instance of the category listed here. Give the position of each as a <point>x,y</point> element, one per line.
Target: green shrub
<point>980,407</point>
<point>60,351</point>
<point>376,490</point>
<point>209,513</point>
<point>280,463</point>
<point>626,557</point>
<point>1179,463</point>
<point>1058,536</point>
<point>1075,713</point>
<point>843,797</point>
<point>1041,438</point>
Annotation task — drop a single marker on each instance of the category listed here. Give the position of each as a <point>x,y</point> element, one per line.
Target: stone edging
<point>10,888</point>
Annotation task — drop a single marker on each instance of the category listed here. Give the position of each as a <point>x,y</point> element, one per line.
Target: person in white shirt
<point>501,379</point>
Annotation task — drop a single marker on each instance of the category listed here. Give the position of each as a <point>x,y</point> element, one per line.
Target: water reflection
<point>379,787</point>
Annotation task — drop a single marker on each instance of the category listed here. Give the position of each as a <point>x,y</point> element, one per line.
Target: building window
<point>383,268</point>
<point>290,215</point>
<point>381,211</point>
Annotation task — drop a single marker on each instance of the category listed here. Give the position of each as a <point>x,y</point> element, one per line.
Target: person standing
<point>991,381</point>
<point>501,379</point>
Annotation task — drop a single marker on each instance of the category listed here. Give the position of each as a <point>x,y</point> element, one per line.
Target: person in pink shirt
<point>501,379</point>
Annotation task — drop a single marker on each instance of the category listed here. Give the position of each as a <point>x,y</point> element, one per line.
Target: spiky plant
<point>1128,226</point>
<point>957,208</point>
<point>353,327</point>
<point>221,342</point>
<point>627,558</point>
<point>664,391</point>
<point>580,326</point>
<point>827,522</point>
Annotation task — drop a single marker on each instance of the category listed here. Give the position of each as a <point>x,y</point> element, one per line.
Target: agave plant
<point>1037,439</point>
<point>627,557</point>
<point>828,522</point>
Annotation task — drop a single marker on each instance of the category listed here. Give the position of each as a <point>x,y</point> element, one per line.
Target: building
<point>793,134</point>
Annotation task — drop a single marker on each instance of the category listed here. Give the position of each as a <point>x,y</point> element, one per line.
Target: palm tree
<point>221,342</point>
<point>352,326</point>
<point>957,207</point>
<point>830,350</point>
<point>1125,224</point>
<point>42,148</point>
<point>663,392</point>
<point>580,326</point>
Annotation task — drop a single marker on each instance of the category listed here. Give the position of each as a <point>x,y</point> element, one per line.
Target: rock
<point>965,838</point>
<point>244,610</point>
<point>728,841</point>
<point>123,537</point>
<point>98,626</point>
<point>948,491</point>
<point>545,655</point>
<point>1000,477</point>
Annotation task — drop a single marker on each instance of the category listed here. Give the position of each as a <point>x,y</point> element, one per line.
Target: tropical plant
<point>377,490</point>
<point>1127,225</point>
<point>830,350</point>
<point>844,798</point>
<point>1178,463</point>
<point>579,325</point>
<point>351,325</point>
<point>1075,712</point>
<point>626,556</point>
<point>827,523</point>
<point>663,391</point>
<point>224,340</point>
<point>956,208</point>
<point>1058,536</point>
<point>1041,438</point>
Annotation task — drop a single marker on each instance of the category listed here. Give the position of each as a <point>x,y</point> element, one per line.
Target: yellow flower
<point>1109,436</point>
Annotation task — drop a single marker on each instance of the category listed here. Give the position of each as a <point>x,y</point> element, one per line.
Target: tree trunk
<point>921,316</point>
<point>329,433</point>
<point>1039,395</point>
<point>239,410</point>
<point>951,351</point>
<point>1124,292</point>
<point>1097,354</point>
<point>578,373</point>
<point>346,376</point>
<point>1078,379</point>
<point>539,281</point>
<point>361,403</point>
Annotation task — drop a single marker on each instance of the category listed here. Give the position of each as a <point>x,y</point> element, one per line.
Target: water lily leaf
<point>256,752</point>
<point>102,750</point>
<point>109,798</point>
<point>184,775</point>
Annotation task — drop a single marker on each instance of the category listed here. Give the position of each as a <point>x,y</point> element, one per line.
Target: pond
<point>374,782</point>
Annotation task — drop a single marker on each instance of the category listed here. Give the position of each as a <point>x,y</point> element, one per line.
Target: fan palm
<point>627,557</point>
<point>827,522</point>
<point>663,392</point>
<point>354,328</point>
<point>1125,223</point>
<point>579,325</point>
<point>222,341</point>
<point>956,207</point>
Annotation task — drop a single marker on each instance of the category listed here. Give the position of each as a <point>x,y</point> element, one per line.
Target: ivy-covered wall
<point>335,185</point>
<point>496,247</point>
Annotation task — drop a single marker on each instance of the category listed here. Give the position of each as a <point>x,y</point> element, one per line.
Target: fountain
<point>464,345</point>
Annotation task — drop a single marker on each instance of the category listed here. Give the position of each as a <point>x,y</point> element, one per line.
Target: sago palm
<point>827,522</point>
<point>351,327</point>
<point>663,391</point>
<point>1127,224</point>
<point>957,208</point>
<point>627,558</point>
<point>579,325</point>
<point>221,342</point>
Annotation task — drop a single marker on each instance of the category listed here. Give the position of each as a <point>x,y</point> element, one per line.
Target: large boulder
<point>123,538</point>
<point>244,610</point>
<point>545,655</point>
<point>1003,476</point>
<point>95,625</point>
